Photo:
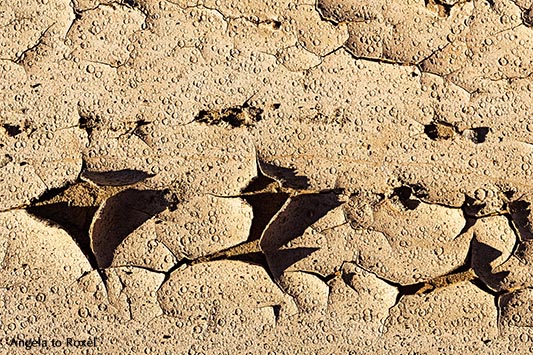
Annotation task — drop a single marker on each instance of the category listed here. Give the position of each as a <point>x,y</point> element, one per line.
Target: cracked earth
<point>266,177</point>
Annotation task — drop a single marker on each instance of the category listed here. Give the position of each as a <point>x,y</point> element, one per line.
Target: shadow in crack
<point>116,178</point>
<point>285,258</point>
<point>287,177</point>
<point>264,204</point>
<point>408,195</point>
<point>257,258</point>
<point>520,211</point>
<point>120,215</point>
<point>482,255</point>
<point>299,213</point>
<point>76,220</point>
<point>472,207</point>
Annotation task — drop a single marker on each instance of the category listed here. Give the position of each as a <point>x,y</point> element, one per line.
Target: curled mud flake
<point>395,137</point>
<point>120,215</point>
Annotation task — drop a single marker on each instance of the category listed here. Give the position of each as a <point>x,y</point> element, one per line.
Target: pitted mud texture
<point>266,177</point>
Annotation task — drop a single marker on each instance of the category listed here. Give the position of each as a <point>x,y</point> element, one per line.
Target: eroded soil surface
<point>266,177</point>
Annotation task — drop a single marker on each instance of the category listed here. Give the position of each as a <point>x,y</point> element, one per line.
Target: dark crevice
<point>88,123</point>
<point>265,204</point>
<point>51,193</point>
<point>12,130</point>
<point>116,178</point>
<point>471,207</point>
<point>469,223</point>
<point>440,130</point>
<point>259,183</point>
<point>409,195</point>
<point>274,23</point>
<point>130,3</point>
<point>403,290</point>
<point>516,232</point>
<point>527,17</point>
<point>302,212</point>
<point>75,220</point>
<point>322,13</point>
<point>519,213</point>
<point>481,285</point>
<point>381,60</point>
<point>477,135</point>
<point>480,257</point>
<point>181,263</point>
<point>324,278</point>
<point>257,258</point>
<point>443,9</point>
<point>264,207</point>
<point>247,252</point>
<point>277,310</point>
<point>140,129</point>
<point>6,159</point>
<point>285,176</point>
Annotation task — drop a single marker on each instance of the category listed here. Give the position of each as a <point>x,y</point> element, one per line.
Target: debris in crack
<point>88,122</point>
<point>237,116</point>
<point>527,17</point>
<point>439,131</point>
<point>6,159</point>
<point>476,135</point>
<point>442,7</point>
<point>447,280</point>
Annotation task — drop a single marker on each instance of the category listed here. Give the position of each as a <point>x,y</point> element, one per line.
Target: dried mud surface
<point>266,177</point>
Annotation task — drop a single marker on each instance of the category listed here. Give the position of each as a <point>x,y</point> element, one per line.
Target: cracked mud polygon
<point>266,177</point>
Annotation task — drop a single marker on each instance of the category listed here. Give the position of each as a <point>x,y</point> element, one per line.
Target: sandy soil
<point>266,177</point>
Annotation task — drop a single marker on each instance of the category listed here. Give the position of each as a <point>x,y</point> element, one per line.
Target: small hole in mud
<point>439,131</point>
<point>477,135</point>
